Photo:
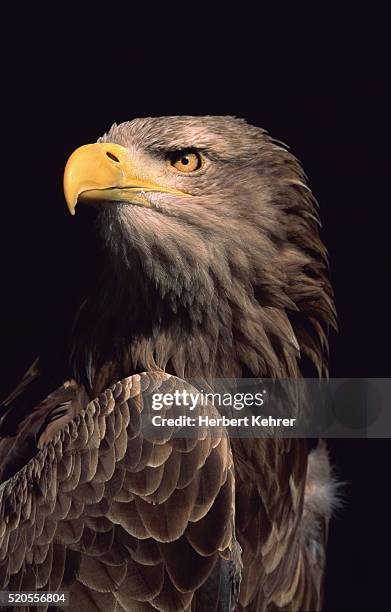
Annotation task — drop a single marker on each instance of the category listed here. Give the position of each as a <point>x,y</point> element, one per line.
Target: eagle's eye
<point>185,160</point>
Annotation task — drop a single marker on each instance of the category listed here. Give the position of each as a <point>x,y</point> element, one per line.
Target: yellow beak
<point>105,171</point>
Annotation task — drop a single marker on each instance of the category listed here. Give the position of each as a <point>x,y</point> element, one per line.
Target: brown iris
<point>186,161</point>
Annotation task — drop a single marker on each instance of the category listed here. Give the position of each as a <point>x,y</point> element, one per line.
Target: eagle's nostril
<point>113,157</point>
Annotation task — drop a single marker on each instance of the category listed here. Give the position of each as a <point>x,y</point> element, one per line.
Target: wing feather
<point>106,507</point>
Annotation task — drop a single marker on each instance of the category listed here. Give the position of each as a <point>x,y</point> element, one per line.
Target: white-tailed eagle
<point>212,267</point>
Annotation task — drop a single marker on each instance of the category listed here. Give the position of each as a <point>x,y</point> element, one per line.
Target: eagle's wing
<point>122,519</point>
<point>284,499</point>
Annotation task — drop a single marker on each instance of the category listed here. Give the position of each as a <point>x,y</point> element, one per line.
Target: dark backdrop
<point>325,104</point>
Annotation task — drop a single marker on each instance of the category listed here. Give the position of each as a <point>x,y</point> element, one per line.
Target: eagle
<point>210,266</point>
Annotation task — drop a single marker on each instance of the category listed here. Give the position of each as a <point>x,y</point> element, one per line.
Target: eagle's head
<point>214,261</point>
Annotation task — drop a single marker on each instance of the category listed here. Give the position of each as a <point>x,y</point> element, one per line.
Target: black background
<point>320,89</point>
